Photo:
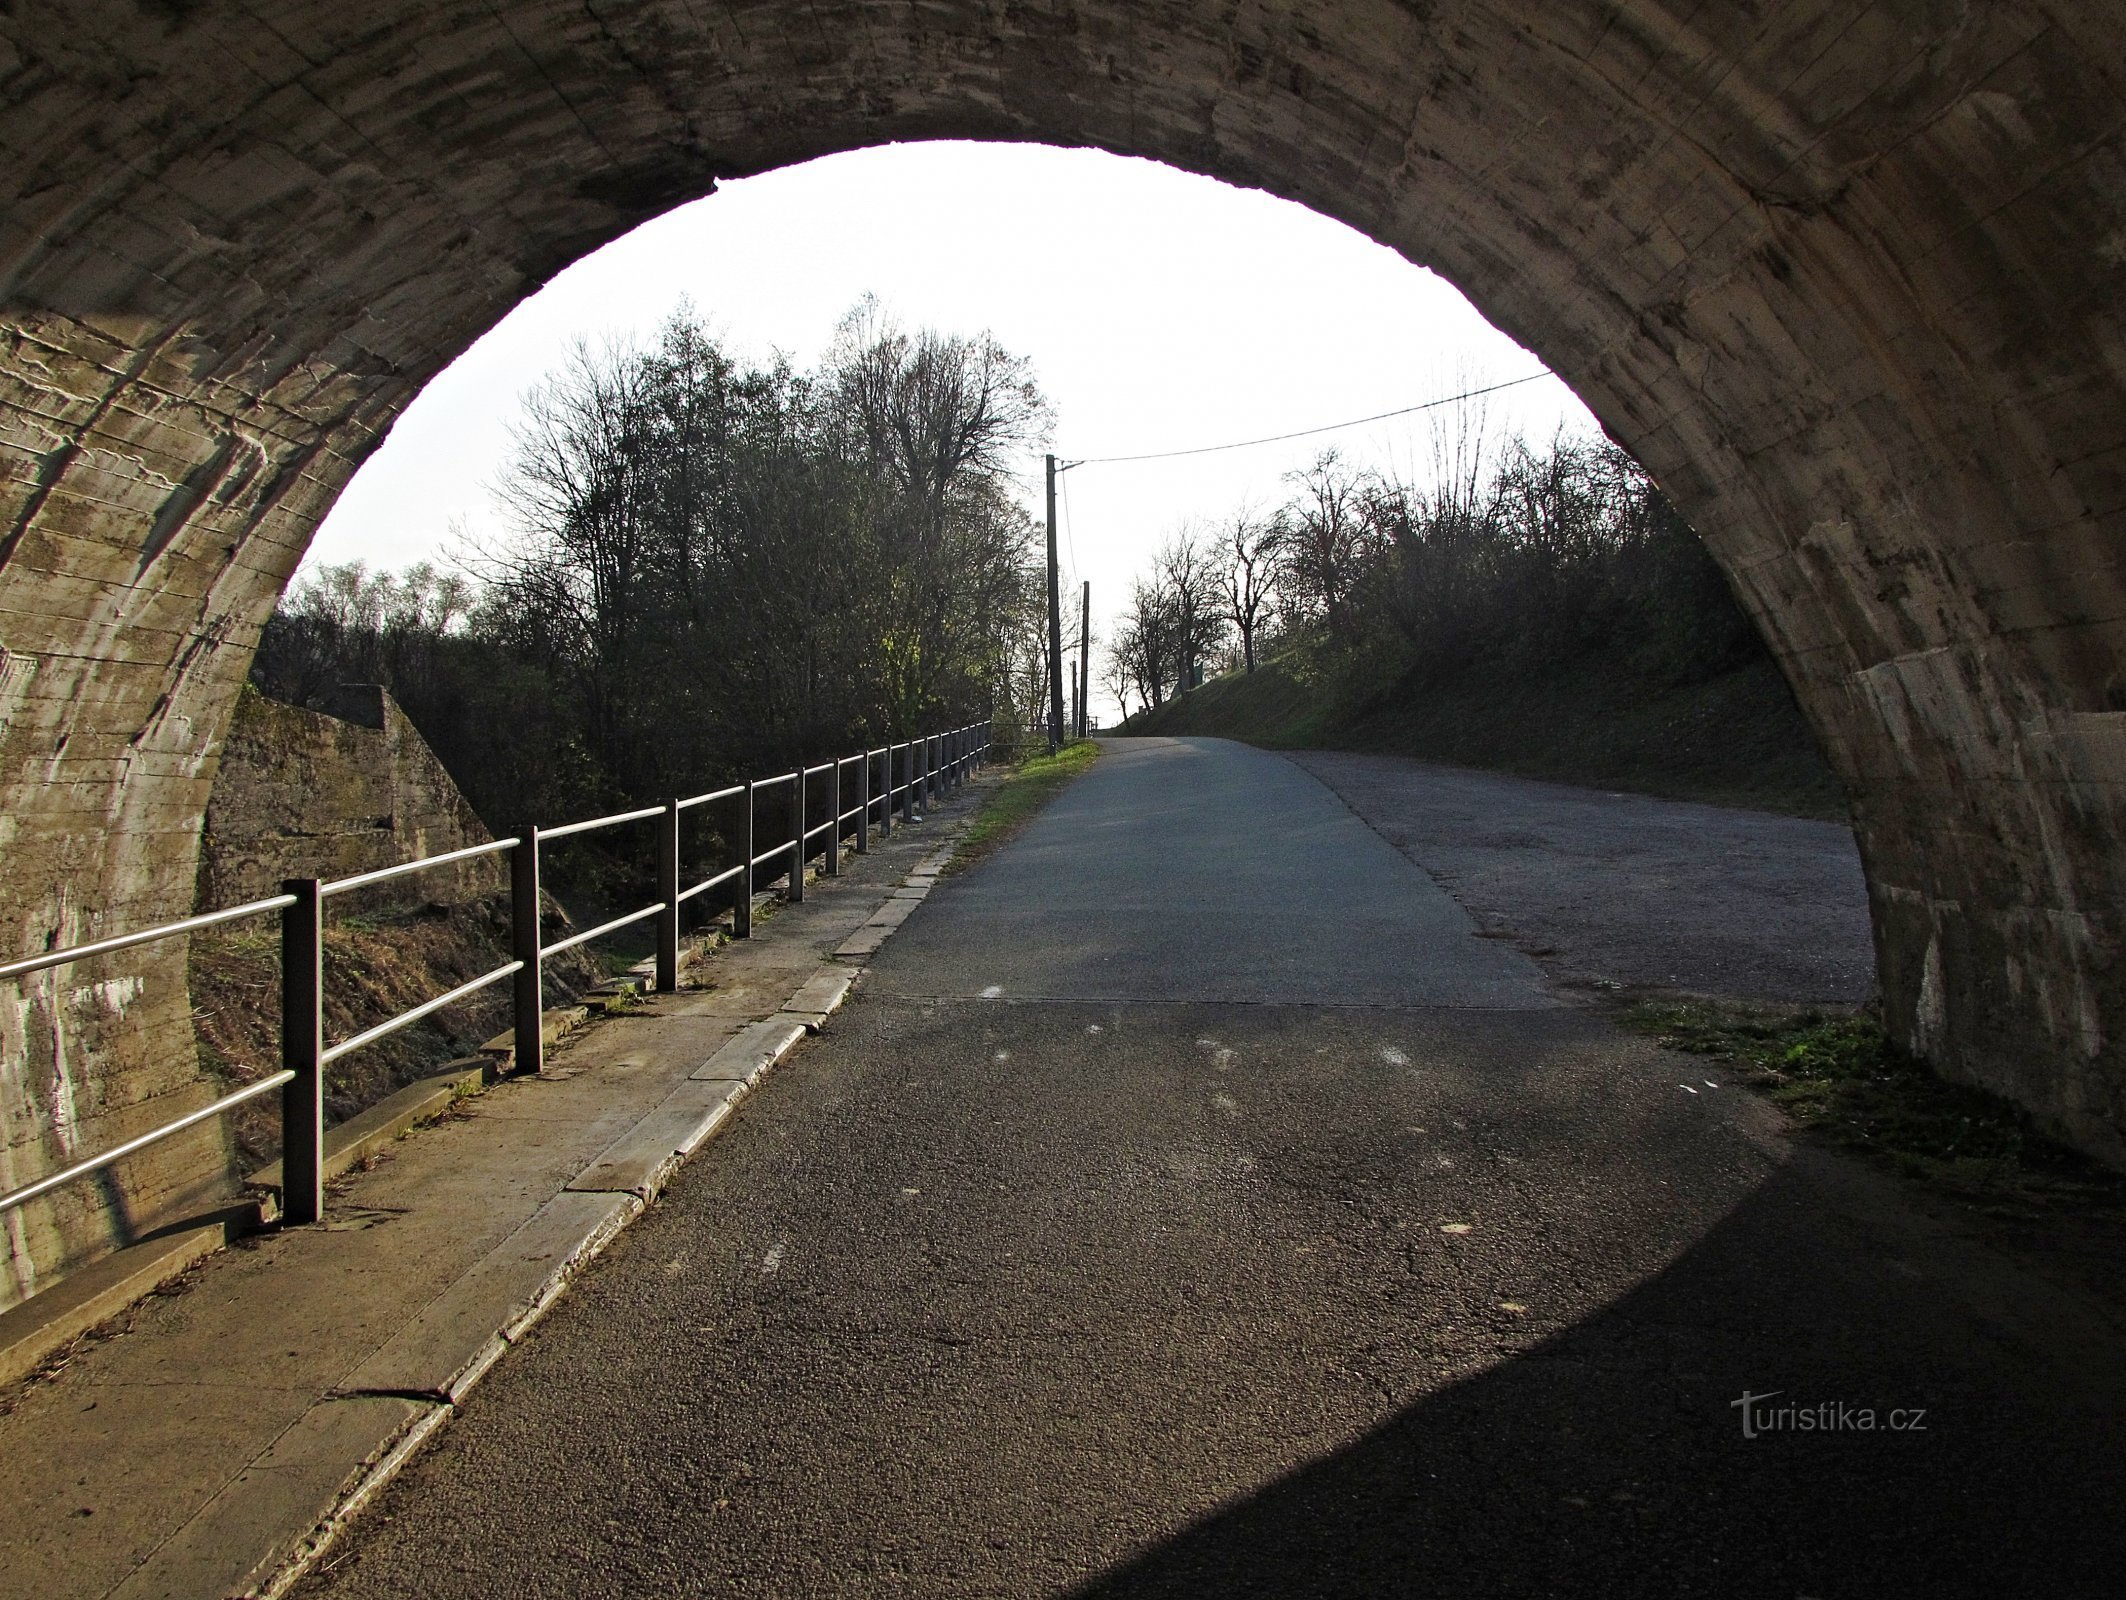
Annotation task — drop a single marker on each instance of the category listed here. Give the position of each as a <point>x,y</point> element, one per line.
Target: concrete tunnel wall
<point>1846,278</point>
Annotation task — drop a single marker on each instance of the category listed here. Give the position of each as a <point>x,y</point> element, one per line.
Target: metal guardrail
<point>928,766</point>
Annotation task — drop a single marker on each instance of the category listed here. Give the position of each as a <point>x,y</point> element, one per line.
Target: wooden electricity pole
<point>1056,729</point>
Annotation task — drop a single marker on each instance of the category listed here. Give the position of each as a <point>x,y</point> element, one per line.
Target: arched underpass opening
<point>1846,284</point>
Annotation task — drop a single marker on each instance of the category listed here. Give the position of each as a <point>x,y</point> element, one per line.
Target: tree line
<point>710,568</point>
<point>1514,557</point>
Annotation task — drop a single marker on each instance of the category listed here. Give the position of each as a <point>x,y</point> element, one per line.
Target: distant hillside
<point>1734,739</point>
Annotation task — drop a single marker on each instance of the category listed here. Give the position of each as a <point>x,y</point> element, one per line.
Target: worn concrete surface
<point>1625,890</point>
<point>194,1448</point>
<point>1136,1296</point>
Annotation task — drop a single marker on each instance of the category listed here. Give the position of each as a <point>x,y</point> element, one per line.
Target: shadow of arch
<point>1609,1458</point>
<point>1846,280</point>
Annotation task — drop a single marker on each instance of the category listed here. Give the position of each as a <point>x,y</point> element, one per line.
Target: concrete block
<point>275,1515</point>
<point>446,1347</point>
<point>752,1051</point>
<point>554,1026</point>
<point>642,1160</point>
<point>30,1333</point>
<point>359,1137</point>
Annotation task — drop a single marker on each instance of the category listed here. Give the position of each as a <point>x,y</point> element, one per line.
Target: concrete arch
<point>1846,277</point>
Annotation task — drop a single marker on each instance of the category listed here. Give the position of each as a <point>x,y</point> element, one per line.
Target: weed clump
<point>1844,1081</point>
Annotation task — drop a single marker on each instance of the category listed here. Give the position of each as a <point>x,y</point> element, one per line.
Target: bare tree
<point>1142,651</point>
<point>1249,559</point>
<point>1192,584</point>
<point>1326,542</point>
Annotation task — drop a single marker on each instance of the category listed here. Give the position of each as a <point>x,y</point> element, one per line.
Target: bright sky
<point>1160,311</point>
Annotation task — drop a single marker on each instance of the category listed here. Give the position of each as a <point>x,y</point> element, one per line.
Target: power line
<point>1305,433</point>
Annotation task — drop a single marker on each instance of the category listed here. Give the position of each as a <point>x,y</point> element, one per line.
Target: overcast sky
<point>1160,310</point>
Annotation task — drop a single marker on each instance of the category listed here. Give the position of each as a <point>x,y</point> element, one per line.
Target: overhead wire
<point>1305,433</point>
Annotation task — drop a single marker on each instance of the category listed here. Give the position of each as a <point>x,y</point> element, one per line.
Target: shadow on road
<point>1611,1459</point>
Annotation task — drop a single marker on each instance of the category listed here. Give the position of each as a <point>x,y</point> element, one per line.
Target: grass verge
<point>1845,1083</point>
<point>1030,786</point>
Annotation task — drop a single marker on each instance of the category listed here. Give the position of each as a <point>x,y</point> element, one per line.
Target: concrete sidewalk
<point>211,1440</point>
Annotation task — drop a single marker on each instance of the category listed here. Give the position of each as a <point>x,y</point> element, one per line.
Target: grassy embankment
<point>1025,790</point>
<point>1734,739</point>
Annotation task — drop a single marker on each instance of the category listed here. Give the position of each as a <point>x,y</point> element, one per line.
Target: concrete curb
<point>39,1328</point>
<point>351,1143</point>
<point>820,996</point>
<point>426,1370</point>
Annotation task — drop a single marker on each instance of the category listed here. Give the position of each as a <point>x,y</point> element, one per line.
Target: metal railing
<point>927,767</point>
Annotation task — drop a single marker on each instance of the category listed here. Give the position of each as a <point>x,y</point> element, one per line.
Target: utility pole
<point>1076,722</point>
<point>1056,729</point>
<point>1085,659</point>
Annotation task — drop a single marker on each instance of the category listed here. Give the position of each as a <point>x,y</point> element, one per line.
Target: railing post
<point>742,910</point>
<point>834,818</point>
<point>908,784</point>
<point>527,989</point>
<point>302,1053</point>
<point>797,834</point>
<point>885,810</point>
<point>863,802</point>
<point>668,892</point>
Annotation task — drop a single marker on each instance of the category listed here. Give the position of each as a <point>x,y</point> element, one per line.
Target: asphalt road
<point>1192,1203</point>
<point>1613,891</point>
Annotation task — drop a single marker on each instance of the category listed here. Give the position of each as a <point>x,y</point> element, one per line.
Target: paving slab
<point>820,996</point>
<point>863,944</point>
<point>123,1477</point>
<point>641,1160</point>
<point>249,1531</point>
<point>451,1341</point>
<point>753,1051</point>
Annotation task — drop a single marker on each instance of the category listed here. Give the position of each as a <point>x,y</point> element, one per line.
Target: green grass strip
<point>1018,799</point>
